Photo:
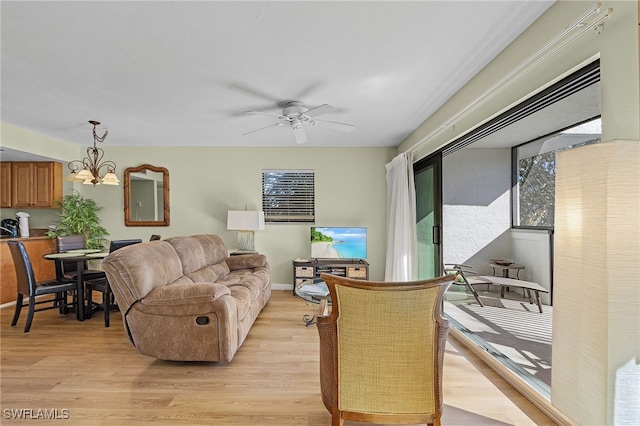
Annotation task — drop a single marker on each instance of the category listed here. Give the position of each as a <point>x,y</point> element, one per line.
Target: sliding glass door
<point>499,201</point>
<point>428,183</point>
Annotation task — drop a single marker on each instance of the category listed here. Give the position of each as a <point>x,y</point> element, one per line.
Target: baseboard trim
<point>6,305</point>
<point>278,286</point>
<point>517,382</point>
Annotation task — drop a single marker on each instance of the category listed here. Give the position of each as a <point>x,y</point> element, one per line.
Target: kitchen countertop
<point>30,238</point>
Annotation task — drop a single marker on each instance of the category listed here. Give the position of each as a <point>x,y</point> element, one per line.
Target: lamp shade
<point>84,175</point>
<point>110,179</point>
<point>596,283</point>
<point>73,177</point>
<point>243,220</point>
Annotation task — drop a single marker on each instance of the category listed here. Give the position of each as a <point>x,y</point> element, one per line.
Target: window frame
<point>515,169</point>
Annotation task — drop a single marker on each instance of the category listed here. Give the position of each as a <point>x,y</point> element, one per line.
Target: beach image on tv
<point>339,243</point>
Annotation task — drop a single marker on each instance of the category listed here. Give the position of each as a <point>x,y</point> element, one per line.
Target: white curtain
<point>401,220</point>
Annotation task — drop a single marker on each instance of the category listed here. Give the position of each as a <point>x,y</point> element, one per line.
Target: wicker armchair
<point>382,350</point>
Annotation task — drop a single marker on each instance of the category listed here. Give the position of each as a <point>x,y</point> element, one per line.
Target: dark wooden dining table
<point>79,256</point>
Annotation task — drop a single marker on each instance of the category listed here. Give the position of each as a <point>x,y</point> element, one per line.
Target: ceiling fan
<point>295,114</point>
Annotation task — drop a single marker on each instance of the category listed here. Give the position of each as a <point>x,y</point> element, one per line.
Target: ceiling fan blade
<point>319,110</point>
<point>266,113</point>
<point>262,128</point>
<point>255,92</point>
<point>343,127</point>
<point>301,136</point>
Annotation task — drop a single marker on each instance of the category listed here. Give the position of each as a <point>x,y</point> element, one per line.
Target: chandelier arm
<point>110,165</point>
<point>74,165</point>
<point>86,163</point>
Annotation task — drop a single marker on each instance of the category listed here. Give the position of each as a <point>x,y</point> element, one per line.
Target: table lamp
<point>245,222</point>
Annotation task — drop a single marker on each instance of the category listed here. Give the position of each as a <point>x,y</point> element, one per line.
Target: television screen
<point>339,243</point>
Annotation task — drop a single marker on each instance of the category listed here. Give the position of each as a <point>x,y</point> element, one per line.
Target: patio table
<point>511,282</point>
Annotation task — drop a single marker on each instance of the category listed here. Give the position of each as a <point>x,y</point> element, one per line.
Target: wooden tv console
<point>312,268</point>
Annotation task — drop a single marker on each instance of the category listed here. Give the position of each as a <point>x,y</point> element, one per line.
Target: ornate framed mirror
<point>146,196</point>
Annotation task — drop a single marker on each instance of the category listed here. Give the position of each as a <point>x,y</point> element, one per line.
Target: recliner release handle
<point>203,320</point>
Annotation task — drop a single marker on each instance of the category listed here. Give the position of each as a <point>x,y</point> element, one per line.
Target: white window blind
<point>288,196</point>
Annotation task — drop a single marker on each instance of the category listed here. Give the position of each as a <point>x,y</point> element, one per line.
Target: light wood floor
<point>95,374</point>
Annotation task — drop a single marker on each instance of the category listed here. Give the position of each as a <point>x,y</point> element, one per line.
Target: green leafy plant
<point>79,216</point>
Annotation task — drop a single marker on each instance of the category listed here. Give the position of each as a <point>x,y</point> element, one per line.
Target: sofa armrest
<point>185,294</point>
<point>246,261</point>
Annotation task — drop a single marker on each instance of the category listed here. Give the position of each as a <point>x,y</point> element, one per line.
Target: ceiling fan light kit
<point>295,113</point>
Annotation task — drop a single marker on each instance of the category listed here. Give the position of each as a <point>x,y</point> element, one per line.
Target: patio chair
<point>382,350</point>
<point>464,276</point>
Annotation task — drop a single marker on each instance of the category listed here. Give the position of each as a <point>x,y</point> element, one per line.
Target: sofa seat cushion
<point>252,281</point>
<point>245,286</point>
<point>185,298</point>
<point>210,273</point>
<point>243,299</point>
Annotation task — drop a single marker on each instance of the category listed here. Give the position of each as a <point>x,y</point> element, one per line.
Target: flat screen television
<point>339,242</point>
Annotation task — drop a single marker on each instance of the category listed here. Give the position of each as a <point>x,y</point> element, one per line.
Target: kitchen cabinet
<point>35,184</point>
<point>5,184</point>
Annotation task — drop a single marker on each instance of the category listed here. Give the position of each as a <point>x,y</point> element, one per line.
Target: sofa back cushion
<point>199,251</point>
<point>135,270</point>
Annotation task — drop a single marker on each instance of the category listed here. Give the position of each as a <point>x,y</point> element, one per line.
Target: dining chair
<point>27,286</point>
<point>382,350</point>
<point>102,285</point>
<point>68,270</point>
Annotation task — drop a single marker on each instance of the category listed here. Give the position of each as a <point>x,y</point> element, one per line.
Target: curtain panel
<point>401,220</point>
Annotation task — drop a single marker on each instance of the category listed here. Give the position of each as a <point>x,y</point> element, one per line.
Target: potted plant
<point>79,216</point>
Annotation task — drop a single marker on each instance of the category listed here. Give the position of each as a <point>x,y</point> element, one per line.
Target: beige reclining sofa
<point>185,298</point>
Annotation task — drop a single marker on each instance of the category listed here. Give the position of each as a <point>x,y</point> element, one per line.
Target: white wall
<point>533,248</point>
<point>476,207</point>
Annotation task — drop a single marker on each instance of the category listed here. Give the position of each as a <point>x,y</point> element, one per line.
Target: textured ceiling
<point>184,73</point>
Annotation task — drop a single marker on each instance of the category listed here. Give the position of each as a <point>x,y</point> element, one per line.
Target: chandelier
<point>92,165</point>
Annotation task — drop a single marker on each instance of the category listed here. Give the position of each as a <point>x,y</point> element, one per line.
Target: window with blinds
<point>288,196</point>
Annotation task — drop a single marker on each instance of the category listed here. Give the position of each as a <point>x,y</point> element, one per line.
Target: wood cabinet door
<point>22,184</point>
<point>45,178</point>
<point>5,184</point>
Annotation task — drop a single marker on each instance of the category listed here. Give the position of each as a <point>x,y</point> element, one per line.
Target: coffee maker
<point>9,227</point>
